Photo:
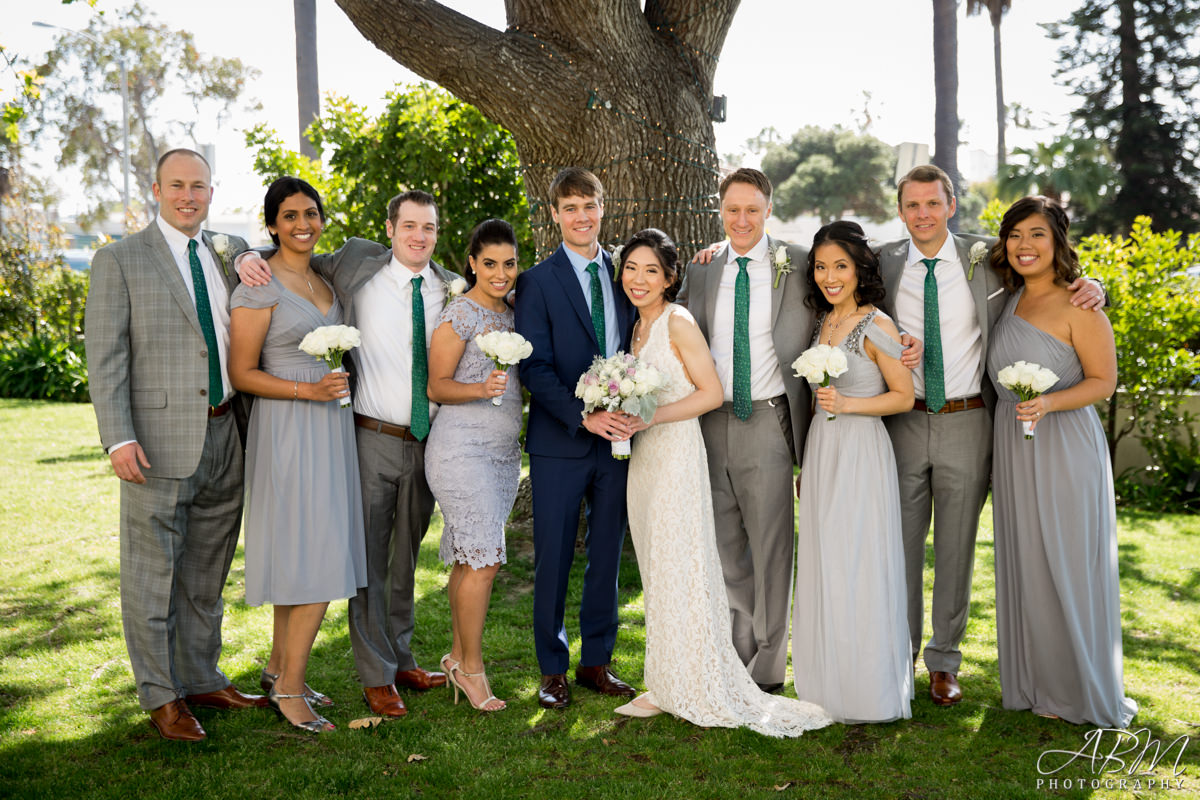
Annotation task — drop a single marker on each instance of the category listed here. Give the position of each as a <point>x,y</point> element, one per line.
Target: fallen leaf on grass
<point>606,741</point>
<point>364,722</point>
<point>416,757</point>
<point>784,786</point>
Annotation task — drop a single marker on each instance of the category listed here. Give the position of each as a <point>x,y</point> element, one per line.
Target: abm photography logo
<point>1115,759</point>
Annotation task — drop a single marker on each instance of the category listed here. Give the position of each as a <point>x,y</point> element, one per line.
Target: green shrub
<point>43,368</point>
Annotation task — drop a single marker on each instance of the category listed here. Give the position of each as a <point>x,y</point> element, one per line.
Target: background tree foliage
<point>425,139</point>
<point>1072,168</point>
<point>828,172</point>
<point>82,78</point>
<point>1135,65</point>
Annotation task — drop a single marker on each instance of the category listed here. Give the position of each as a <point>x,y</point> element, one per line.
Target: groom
<point>749,304</point>
<point>571,310</point>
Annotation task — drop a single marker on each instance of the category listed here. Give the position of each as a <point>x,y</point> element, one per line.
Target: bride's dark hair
<point>850,237</point>
<point>490,231</point>
<point>664,250</point>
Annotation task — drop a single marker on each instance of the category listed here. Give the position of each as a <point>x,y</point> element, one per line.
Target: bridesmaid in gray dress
<point>1058,616</point>
<point>304,527</point>
<point>472,459</point>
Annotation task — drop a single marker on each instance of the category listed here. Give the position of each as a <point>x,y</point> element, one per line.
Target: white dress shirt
<point>383,311</point>
<point>766,379</point>
<point>612,335</point>
<point>962,341</point>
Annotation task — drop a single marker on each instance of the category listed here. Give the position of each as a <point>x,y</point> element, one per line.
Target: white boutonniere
<point>782,263</point>
<point>454,288</point>
<point>220,243</point>
<point>616,259</point>
<point>977,253</point>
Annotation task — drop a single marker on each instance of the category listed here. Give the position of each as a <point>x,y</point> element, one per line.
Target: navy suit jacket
<point>552,314</point>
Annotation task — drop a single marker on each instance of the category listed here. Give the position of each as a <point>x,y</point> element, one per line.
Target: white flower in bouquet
<point>621,382</point>
<point>820,364</point>
<point>329,343</point>
<point>1027,381</point>
<point>504,348</point>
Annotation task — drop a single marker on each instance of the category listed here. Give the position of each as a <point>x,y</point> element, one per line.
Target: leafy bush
<point>43,368</point>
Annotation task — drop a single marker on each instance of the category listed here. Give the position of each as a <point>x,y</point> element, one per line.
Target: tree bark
<point>308,97</point>
<point>603,85</point>
<point>945,83</point>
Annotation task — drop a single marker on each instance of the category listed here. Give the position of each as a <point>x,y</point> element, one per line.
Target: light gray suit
<point>944,461</point>
<point>148,373</point>
<point>750,469</point>
<point>397,503</point>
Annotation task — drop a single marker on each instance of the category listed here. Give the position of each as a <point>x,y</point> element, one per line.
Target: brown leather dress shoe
<point>602,679</point>
<point>227,699</point>
<point>420,679</point>
<point>553,693</point>
<point>384,701</point>
<point>174,721</point>
<point>944,689</point>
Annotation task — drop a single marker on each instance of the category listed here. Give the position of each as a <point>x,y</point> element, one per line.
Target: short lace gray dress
<point>472,458</point>
<point>304,518</point>
<point>1058,603</point>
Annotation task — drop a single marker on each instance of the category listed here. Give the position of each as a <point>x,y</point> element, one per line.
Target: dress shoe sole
<point>631,692</point>
<point>945,701</point>
<point>553,704</point>
<point>163,736</point>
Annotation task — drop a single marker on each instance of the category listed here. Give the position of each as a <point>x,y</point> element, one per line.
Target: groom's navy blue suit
<point>568,463</point>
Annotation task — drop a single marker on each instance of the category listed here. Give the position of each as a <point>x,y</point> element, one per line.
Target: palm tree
<point>308,98</point>
<point>996,10</point>
<point>945,87</point>
<point>1074,165</point>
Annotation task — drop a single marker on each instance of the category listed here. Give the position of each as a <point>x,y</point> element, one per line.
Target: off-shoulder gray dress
<point>304,522</point>
<point>1058,612</point>
<point>472,458</point>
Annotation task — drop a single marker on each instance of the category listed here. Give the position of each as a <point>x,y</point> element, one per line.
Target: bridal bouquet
<point>621,382</point>
<point>504,348</point>
<point>820,364</point>
<point>329,343</point>
<point>1026,381</point>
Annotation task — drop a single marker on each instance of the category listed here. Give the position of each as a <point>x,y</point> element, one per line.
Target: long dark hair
<point>1066,260</point>
<point>664,250</point>
<point>281,189</point>
<point>490,231</point>
<point>850,237</point>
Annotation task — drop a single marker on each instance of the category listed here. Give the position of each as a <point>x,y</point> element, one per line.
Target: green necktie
<point>419,421</point>
<point>216,391</point>
<point>935,379</point>
<point>741,341</point>
<point>597,307</point>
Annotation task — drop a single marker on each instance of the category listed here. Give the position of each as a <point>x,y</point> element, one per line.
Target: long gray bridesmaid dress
<point>304,523</point>
<point>1058,616</point>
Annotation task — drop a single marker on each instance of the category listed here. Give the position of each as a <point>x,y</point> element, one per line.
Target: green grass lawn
<point>70,724</point>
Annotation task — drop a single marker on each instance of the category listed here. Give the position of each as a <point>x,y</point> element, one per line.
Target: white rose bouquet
<point>329,343</point>
<point>505,349</point>
<point>621,382</point>
<point>820,364</point>
<point>1026,381</point>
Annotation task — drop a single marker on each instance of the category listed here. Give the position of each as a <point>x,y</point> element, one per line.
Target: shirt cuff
<point>119,445</point>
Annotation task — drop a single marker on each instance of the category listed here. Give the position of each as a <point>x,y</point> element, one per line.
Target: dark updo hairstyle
<point>281,189</point>
<point>664,250</point>
<point>490,231</point>
<point>850,237</point>
<point>1066,261</point>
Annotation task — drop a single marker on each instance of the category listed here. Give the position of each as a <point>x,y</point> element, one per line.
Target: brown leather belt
<point>219,411</point>
<point>965,404</point>
<point>379,426</point>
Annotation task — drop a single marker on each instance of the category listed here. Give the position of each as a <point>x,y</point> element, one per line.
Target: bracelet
<point>296,390</point>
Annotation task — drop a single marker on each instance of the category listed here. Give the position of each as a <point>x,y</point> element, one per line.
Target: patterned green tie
<point>216,391</point>
<point>597,307</point>
<point>419,421</point>
<point>935,379</point>
<point>741,341</point>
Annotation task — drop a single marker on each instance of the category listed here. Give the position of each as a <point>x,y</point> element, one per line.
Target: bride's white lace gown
<point>692,670</point>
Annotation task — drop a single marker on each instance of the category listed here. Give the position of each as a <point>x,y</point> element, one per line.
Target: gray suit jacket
<point>987,290</point>
<point>147,359</point>
<point>791,323</point>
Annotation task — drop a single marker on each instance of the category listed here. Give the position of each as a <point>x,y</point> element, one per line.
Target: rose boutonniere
<point>782,263</point>
<point>220,243</point>
<point>454,288</point>
<point>977,253</point>
<point>616,259</point>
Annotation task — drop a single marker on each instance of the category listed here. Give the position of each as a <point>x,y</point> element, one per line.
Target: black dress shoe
<point>771,688</point>
<point>602,679</point>
<point>553,693</point>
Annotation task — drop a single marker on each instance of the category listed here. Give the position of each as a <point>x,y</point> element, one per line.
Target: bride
<point>692,670</point>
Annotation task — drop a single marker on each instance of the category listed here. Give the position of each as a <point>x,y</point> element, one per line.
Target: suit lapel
<point>228,276</point>
<point>712,284</point>
<point>893,263</point>
<point>564,273</point>
<point>977,284</point>
<point>160,256</point>
<point>777,287</point>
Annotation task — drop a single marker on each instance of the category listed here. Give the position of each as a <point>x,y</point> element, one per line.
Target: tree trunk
<point>572,83</point>
<point>945,86</point>
<point>1001,112</point>
<point>1136,138</point>
<point>308,98</point>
